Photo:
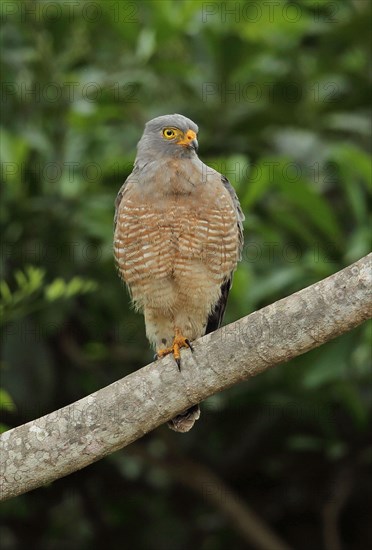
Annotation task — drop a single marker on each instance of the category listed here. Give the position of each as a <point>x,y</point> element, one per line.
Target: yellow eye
<point>169,133</point>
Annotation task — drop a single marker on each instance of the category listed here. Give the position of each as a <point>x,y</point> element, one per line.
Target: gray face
<point>154,145</point>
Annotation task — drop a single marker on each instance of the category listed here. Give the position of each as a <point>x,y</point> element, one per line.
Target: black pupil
<point>169,132</point>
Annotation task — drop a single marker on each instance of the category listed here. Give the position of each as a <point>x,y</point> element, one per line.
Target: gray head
<point>166,137</point>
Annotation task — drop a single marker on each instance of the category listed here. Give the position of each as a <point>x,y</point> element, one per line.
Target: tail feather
<point>185,420</point>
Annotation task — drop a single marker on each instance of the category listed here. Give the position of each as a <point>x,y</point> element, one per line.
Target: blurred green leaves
<point>32,293</point>
<point>281,94</point>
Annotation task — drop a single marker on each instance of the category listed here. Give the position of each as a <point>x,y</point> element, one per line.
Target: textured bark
<point>69,439</point>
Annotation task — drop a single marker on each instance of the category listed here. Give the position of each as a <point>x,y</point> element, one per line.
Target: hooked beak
<point>189,140</point>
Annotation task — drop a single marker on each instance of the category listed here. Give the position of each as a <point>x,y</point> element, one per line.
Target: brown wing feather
<point>118,199</point>
<point>216,317</point>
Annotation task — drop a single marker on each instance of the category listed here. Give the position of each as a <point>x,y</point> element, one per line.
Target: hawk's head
<point>168,136</point>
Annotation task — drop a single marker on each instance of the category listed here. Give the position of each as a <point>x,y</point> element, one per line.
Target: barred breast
<point>188,246</point>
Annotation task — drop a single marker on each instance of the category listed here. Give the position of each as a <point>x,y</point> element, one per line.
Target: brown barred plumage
<point>178,239</point>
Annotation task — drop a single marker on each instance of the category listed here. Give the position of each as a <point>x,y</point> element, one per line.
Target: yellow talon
<point>179,342</point>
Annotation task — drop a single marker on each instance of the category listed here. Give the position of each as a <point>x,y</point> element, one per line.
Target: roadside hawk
<point>178,238</point>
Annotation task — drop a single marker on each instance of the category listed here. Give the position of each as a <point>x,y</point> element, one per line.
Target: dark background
<point>280,91</point>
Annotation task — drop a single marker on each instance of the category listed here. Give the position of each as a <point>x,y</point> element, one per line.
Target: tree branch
<point>69,439</point>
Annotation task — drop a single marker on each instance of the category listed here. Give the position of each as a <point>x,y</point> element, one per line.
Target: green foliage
<point>6,404</point>
<point>31,293</point>
<point>281,94</point>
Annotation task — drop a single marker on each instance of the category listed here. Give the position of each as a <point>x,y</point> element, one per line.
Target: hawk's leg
<point>179,342</point>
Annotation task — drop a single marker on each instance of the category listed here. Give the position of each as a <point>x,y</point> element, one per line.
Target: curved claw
<point>190,346</point>
<point>179,342</point>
